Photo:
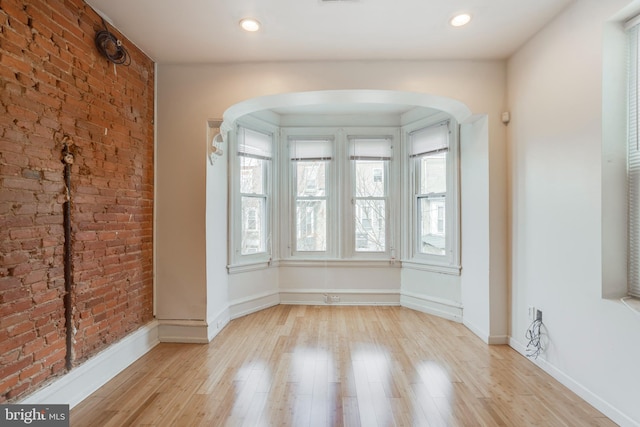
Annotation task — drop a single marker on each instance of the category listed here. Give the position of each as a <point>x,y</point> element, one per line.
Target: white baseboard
<point>440,307</point>
<point>183,331</point>
<point>498,340</point>
<point>88,377</point>
<point>607,409</point>
<point>192,331</point>
<point>218,322</point>
<point>346,296</point>
<point>243,306</point>
<point>484,336</point>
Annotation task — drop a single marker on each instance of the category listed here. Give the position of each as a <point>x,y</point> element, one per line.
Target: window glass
<point>369,178</point>
<point>311,225</point>
<point>311,206</point>
<point>370,225</point>
<point>433,173</point>
<point>253,240</point>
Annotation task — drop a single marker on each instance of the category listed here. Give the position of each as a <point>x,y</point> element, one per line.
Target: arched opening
<point>339,100</point>
<point>279,280</point>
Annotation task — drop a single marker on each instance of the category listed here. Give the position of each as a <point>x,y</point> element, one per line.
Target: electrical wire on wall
<point>67,161</point>
<point>534,335</point>
<point>111,47</point>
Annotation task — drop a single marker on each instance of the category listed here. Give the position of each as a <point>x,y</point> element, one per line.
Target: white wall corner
<point>218,322</point>
<point>607,409</point>
<point>88,377</point>
<point>447,309</point>
<point>487,338</point>
<point>243,306</point>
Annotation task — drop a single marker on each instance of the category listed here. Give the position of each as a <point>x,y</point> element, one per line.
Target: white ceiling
<point>207,31</point>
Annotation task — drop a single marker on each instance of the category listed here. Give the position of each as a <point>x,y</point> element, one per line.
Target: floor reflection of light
<point>250,381</point>
<point>372,376</point>
<point>434,392</point>
<point>312,370</point>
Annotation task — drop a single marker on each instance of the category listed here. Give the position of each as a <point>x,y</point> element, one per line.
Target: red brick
<point>55,82</point>
<point>7,384</point>
<point>30,371</point>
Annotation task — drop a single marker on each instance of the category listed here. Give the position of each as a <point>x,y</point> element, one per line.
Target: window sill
<point>632,303</point>
<point>344,263</point>
<point>244,268</point>
<point>353,263</point>
<point>454,270</point>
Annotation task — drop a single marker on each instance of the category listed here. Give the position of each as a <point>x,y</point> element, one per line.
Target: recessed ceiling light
<point>250,24</point>
<point>460,20</point>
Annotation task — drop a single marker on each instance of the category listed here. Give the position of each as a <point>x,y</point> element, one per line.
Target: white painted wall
<point>431,292</point>
<point>476,259</point>
<point>555,90</point>
<point>217,286</point>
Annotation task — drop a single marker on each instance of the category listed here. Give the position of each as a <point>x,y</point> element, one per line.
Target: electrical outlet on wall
<point>532,313</point>
<point>335,298</point>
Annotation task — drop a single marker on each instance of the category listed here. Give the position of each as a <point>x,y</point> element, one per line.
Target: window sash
<point>310,205</point>
<point>371,232</point>
<point>432,201</point>
<point>370,224</point>
<point>633,163</point>
<point>431,236</point>
<point>253,239</point>
<point>251,196</point>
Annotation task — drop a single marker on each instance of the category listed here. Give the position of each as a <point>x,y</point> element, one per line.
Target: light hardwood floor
<point>335,366</point>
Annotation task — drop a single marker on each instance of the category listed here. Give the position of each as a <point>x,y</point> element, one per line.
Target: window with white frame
<point>633,158</point>
<point>254,158</point>
<point>433,166</point>
<point>340,194</point>
<point>310,167</point>
<point>370,169</point>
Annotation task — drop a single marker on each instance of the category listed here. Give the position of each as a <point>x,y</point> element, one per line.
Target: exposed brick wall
<point>54,82</point>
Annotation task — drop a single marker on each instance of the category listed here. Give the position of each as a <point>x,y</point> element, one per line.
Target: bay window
<point>374,194</point>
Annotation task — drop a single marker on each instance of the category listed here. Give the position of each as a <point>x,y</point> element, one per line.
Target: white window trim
<point>237,262</point>
<point>412,258</point>
<point>287,197</point>
<point>393,201</point>
<point>341,250</point>
<point>633,158</point>
<point>339,203</point>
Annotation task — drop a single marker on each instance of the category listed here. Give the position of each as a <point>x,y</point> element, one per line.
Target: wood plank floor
<point>335,366</point>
